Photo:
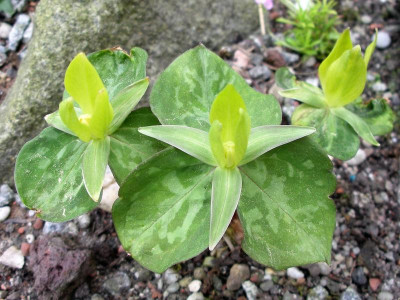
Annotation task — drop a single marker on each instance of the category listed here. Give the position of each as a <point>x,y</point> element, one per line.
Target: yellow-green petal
<point>102,115</point>
<point>347,76</point>
<point>343,44</point>
<point>83,83</point>
<point>216,144</point>
<point>70,119</point>
<point>242,135</point>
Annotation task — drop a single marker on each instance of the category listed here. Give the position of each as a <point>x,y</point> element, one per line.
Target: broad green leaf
<point>265,138</point>
<point>94,166</point>
<point>163,214</point>
<point>83,83</point>
<point>125,101</point>
<point>357,123</point>
<point>285,79</point>
<point>229,109</point>
<point>185,91</point>
<point>305,93</point>
<point>70,119</point>
<point>102,115</point>
<point>128,147</point>
<point>48,176</point>
<point>346,78</point>
<point>225,195</point>
<point>333,134</point>
<point>285,209</point>
<point>7,7</point>
<point>376,113</point>
<point>193,141</point>
<point>343,44</point>
<point>370,49</point>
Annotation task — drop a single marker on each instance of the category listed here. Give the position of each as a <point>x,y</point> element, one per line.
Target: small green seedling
<point>337,111</point>
<point>60,173</point>
<point>233,155</point>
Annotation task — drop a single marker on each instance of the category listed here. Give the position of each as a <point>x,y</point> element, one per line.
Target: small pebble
<point>195,286</point>
<point>28,33</point>
<point>290,58</point>
<point>310,62</point>
<point>50,227</point>
<point>294,273</point>
<point>196,296</point>
<point>170,276</point>
<point>358,158</point>
<point>317,293</point>
<point>199,273</point>
<point>250,289</point>
<point>12,258</point>
<point>4,30</point>
<point>30,238</point>
<point>237,275</point>
<point>4,213</point>
<point>38,224</point>
<point>173,288</point>
<point>96,297</point>
<point>6,195</point>
<point>383,40</point>
<point>17,31</point>
<point>350,294</point>
<point>313,81</point>
<point>209,261</point>
<point>358,276</point>
<point>184,282</point>
<point>84,221</point>
<point>379,87</point>
<point>25,249</point>
<point>366,19</point>
<point>260,72</point>
<point>374,283</point>
<point>21,230</point>
<point>384,295</point>
<point>266,285</point>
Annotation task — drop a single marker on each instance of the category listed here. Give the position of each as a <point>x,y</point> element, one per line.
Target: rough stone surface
<point>12,258</point>
<point>64,28</point>
<point>58,268</point>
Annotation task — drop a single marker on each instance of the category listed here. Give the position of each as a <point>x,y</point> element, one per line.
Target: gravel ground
<point>83,259</point>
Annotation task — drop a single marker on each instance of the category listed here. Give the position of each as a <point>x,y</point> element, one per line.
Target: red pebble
<point>21,230</point>
<point>25,248</point>
<point>374,283</point>
<point>38,224</point>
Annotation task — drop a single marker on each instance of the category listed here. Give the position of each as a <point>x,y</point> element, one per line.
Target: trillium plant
<point>337,111</point>
<point>209,147</point>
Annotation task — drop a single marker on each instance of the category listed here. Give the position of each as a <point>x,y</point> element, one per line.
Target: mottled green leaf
<point>357,123</point>
<point>7,7</point>
<point>94,166</point>
<point>225,195</point>
<point>285,209</point>
<point>128,147</point>
<point>185,91</point>
<point>193,141</point>
<point>285,79</point>
<point>163,214</point>
<point>305,93</point>
<point>376,113</point>
<point>48,176</point>
<point>125,101</point>
<point>265,138</point>
<point>333,134</point>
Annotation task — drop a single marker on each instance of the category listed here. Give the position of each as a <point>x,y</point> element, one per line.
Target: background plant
<point>313,30</point>
<point>60,172</point>
<point>168,206</point>
<point>337,111</point>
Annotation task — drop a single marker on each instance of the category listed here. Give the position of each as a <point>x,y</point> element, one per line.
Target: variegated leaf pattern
<point>48,176</point>
<point>333,134</point>
<point>184,92</point>
<point>285,209</point>
<point>163,214</point>
<point>128,147</point>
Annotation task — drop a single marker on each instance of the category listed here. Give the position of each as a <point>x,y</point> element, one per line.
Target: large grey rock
<point>64,28</point>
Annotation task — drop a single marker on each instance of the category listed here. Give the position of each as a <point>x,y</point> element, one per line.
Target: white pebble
<point>4,30</point>
<point>30,238</point>
<point>294,273</point>
<point>4,213</point>
<point>383,41</point>
<point>195,286</point>
<point>358,158</point>
<point>12,258</point>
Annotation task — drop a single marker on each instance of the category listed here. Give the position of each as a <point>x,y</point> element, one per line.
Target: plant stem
<point>261,15</point>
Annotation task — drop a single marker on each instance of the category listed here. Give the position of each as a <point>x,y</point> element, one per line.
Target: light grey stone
<point>64,28</point>
<point>4,30</point>
<point>4,213</point>
<point>173,288</point>
<point>359,158</point>
<point>196,296</point>
<point>50,227</point>
<point>379,87</point>
<point>117,283</point>
<point>28,33</point>
<point>290,58</point>
<point>6,195</point>
<point>317,293</point>
<point>84,221</point>
<point>250,289</point>
<point>12,258</point>
<point>383,41</point>
<point>171,276</point>
<point>384,295</point>
<point>260,72</point>
<point>294,273</point>
<point>195,286</point>
<point>350,294</point>
<point>237,275</point>
<point>366,19</point>
<point>17,31</point>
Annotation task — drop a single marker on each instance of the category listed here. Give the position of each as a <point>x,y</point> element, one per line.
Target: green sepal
<point>285,209</point>
<point>94,166</point>
<point>370,49</point>
<point>306,93</point>
<point>376,113</point>
<point>162,215</point>
<point>48,176</point>
<point>265,138</point>
<point>225,195</point>
<point>193,141</point>
<point>342,44</point>
<point>357,123</point>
